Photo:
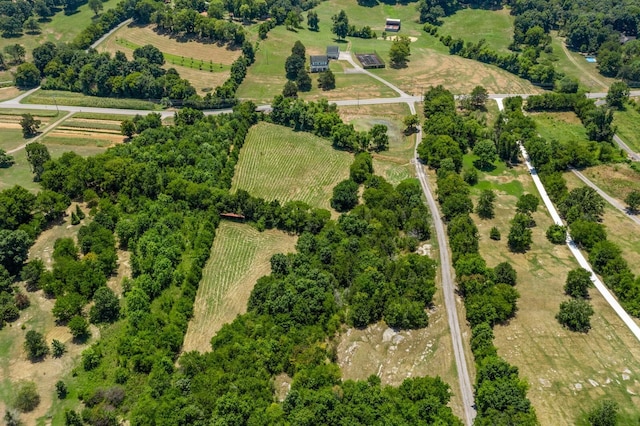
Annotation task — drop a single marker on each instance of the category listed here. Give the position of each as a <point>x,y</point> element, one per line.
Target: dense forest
<point>160,197</point>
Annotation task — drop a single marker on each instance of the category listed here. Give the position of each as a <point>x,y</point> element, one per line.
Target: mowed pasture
<point>11,131</point>
<point>239,256</point>
<point>277,163</point>
<point>429,64</point>
<point>186,55</point>
<point>568,373</point>
<point>627,124</point>
<point>74,131</point>
<point>493,26</point>
<point>394,165</point>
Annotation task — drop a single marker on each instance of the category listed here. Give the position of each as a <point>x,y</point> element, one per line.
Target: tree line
<point>489,293</point>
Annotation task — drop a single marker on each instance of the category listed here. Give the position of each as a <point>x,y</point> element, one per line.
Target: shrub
<point>505,274</point>
<point>578,283</point>
<point>27,397</point>
<point>58,348</point>
<point>604,414</point>
<point>575,315</point>
<point>35,345</point>
<point>557,234</point>
<point>61,389</point>
<point>345,196</point>
<point>79,327</point>
<point>494,234</point>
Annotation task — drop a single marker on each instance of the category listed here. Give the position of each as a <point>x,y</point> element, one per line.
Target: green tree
<point>587,234</point>
<point>14,249</point>
<point>361,168</point>
<point>605,413</point>
<point>31,25</point>
<point>484,209</point>
<point>575,314</point>
<point>494,234</point>
<point>57,348</point>
<point>599,124</point>
<point>486,151</point>
<point>557,234</point>
<point>527,204</point>
<point>16,51</point>
<point>582,203</point>
<point>567,85</point>
<point>633,201</point>
<point>298,49</point>
<point>293,65</point>
<point>29,125</point>
<point>293,20</point>
<point>148,51</point>
<point>68,306</point>
<point>313,21</point>
<point>37,156</point>
<point>290,89</point>
<point>79,327</point>
<point>578,283</point>
<point>127,128</point>
<point>27,76</point>
<point>505,274</point>
<point>520,236</point>
<point>400,51</point>
<point>345,196</point>
<point>6,160</point>
<point>340,25</point>
<point>433,149</point>
<point>35,345</point>
<point>31,273</point>
<point>106,307</point>
<point>379,137</point>
<point>61,389</point>
<point>618,94</point>
<point>411,123</point>
<point>303,81</point>
<point>478,98</point>
<point>27,397</point>
<point>327,80</point>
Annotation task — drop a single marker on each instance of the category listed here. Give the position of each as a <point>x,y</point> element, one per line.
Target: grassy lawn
<point>567,372</point>
<point>563,127</point>
<point>239,256</point>
<point>494,26</point>
<point>11,131</point>
<point>278,163</point>
<point>8,92</point>
<point>205,65</point>
<point>628,125</point>
<point>61,97</point>
<point>61,29</point>
<point>394,165</point>
<point>429,65</point>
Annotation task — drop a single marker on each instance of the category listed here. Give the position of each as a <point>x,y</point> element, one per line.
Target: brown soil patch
<point>93,120</point>
<point>80,134</point>
<point>201,79</point>
<point>8,93</point>
<point>10,126</point>
<point>282,385</point>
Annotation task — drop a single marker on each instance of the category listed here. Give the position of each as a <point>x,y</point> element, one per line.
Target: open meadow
<point>61,97</point>
<point>493,26</point>
<point>239,256</point>
<point>11,131</point>
<point>277,163</point>
<point>205,65</point>
<point>429,64</point>
<point>567,372</point>
<point>394,165</point>
<point>627,124</point>
<point>562,127</point>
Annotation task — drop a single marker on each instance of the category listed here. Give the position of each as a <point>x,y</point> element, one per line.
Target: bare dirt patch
<point>59,137</point>
<point>10,125</point>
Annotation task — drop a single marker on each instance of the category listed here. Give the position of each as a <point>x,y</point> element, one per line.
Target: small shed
<point>392,25</point>
<point>319,63</point>
<point>333,52</point>
<point>624,39</point>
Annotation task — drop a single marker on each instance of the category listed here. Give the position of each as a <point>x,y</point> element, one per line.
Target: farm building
<point>333,52</point>
<point>319,63</point>
<point>392,25</point>
<point>370,60</point>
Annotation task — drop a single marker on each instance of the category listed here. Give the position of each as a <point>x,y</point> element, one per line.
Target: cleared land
<point>239,256</point>
<point>628,125</point>
<point>277,163</point>
<point>394,164</point>
<point>560,126</point>
<point>61,97</point>
<point>494,26</point>
<point>205,65</point>
<point>61,29</point>
<point>429,65</point>
<point>567,372</point>
<point>14,365</point>
<point>86,132</point>
<point>11,131</point>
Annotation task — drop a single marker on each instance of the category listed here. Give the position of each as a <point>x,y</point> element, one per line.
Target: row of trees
<point>489,294</point>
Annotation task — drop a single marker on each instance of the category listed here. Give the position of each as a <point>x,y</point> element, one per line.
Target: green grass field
<point>563,127</point>
<point>61,29</point>
<point>494,26</point>
<point>628,127</point>
<point>239,256</point>
<point>61,97</point>
<point>278,163</point>
<point>567,372</point>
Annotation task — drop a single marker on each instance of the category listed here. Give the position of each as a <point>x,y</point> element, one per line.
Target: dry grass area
<point>567,372</point>
<point>568,117</point>
<point>428,68</point>
<point>9,92</point>
<point>184,47</point>
<point>394,165</point>
<point>239,256</point>
<point>14,364</point>
<point>395,356</point>
<point>617,180</point>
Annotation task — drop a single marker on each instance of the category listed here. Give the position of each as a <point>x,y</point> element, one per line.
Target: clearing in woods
<point>567,372</point>
<point>277,163</point>
<point>239,256</point>
<point>14,365</point>
<point>495,27</point>
<point>394,165</point>
<point>205,65</point>
<point>626,123</point>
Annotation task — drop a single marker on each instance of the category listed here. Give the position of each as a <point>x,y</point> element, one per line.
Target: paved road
<point>448,287</point>
<point>613,302</point>
<point>609,199</point>
<point>632,154</point>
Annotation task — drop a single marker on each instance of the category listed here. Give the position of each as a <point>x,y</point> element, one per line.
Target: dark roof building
<point>333,52</point>
<point>392,25</point>
<point>319,63</point>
